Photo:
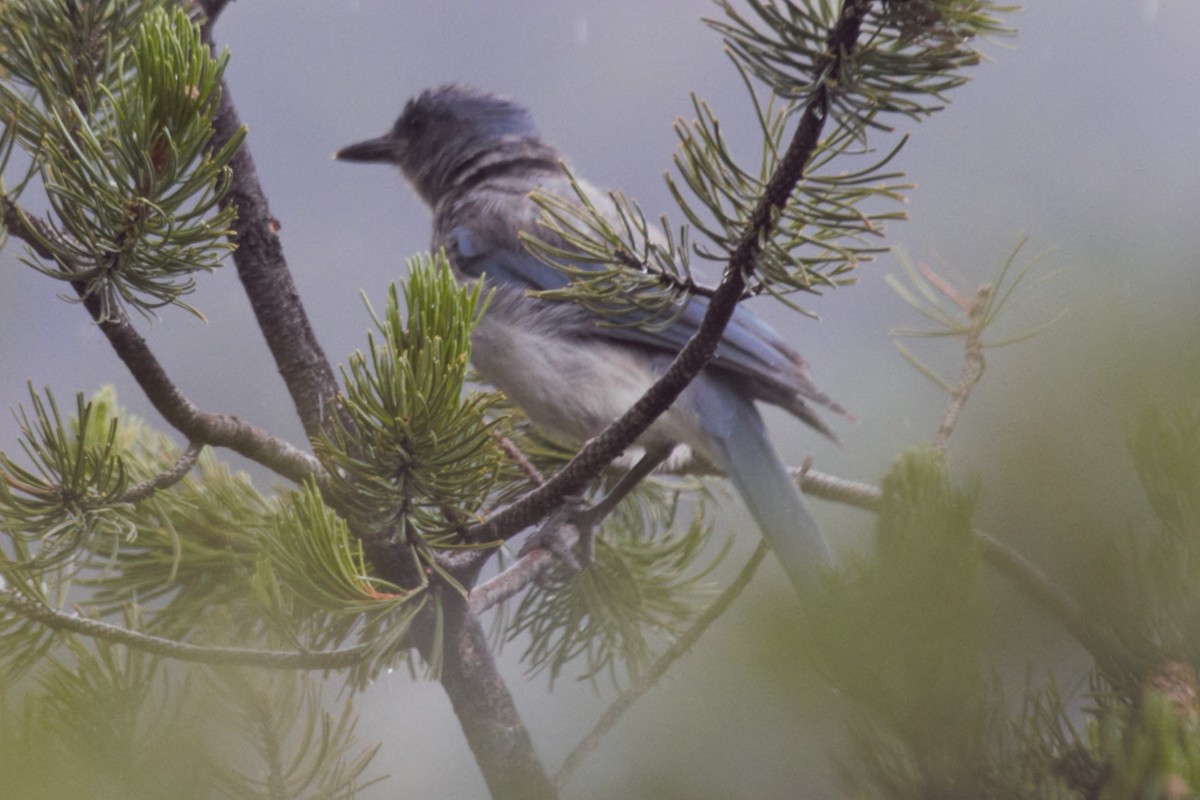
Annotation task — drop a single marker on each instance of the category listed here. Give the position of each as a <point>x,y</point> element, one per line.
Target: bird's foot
<point>568,534</point>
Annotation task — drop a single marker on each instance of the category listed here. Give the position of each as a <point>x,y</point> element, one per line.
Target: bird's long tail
<point>770,492</point>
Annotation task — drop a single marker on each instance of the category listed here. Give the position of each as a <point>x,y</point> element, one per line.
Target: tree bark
<point>489,717</point>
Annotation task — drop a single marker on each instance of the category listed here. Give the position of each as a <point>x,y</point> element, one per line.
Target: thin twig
<point>524,571</point>
<point>522,461</point>
<point>169,648</point>
<point>679,285</point>
<point>839,490</point>
<point>648,679</point>
<point>1003,558</point>
<point>163,480</point>
<point>972,368</point>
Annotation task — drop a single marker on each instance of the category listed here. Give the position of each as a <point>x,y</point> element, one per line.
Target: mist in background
<point>1080,135</point>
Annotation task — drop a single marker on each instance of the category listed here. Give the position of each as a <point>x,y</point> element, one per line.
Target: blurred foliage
<point>111,724</point>
<point>898,634</point>
<point>902,639</point>
<point>1142,584</point>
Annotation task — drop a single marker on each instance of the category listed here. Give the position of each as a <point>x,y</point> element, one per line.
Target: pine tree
<point>168,628</point>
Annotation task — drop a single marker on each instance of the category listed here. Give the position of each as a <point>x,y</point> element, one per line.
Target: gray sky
<point>1080,134</point>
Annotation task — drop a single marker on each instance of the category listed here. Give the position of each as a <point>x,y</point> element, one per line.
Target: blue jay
<point>474,158</point>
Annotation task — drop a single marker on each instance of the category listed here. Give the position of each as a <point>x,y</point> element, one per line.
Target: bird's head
<point>440,132</point>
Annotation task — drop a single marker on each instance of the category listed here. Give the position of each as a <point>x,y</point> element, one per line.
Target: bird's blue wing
<point>474,251</point>
<point>749,347</point>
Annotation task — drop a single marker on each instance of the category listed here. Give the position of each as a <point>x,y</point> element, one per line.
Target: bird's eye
<point>407,125</point>
<point>414,123</point>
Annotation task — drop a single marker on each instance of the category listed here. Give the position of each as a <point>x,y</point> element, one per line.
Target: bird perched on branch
<point>474,158</point>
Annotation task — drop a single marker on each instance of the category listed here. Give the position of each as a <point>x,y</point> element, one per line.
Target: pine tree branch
<point>482,703</point>
<point>266,279</point>
<point>598,453</point>
<point>659,668</point>
<point>217,430</point>
<point>1026,576</point>
<point>180,651</point>
<point>533,565</point>
<point>281,317</point>
<point>493,727</point>
<point>679,284</point>
<point>1006,560</point>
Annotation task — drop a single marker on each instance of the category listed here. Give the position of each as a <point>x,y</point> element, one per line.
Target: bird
<point>475,158</point>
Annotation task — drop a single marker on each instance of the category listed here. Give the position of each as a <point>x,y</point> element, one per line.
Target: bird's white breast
<point>573,388</point>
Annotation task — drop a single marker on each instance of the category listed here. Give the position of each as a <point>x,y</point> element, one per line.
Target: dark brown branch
<point>485,709</point>
<point>217,430</point>
<point>281,317</point>
<point>268,282</point>
<point>482,703</point>
<point>181,651</point>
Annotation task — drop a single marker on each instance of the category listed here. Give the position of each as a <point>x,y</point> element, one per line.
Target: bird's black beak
<point>372,150</point>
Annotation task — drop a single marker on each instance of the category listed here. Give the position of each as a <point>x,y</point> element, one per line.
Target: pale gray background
<point>1080,135</point>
